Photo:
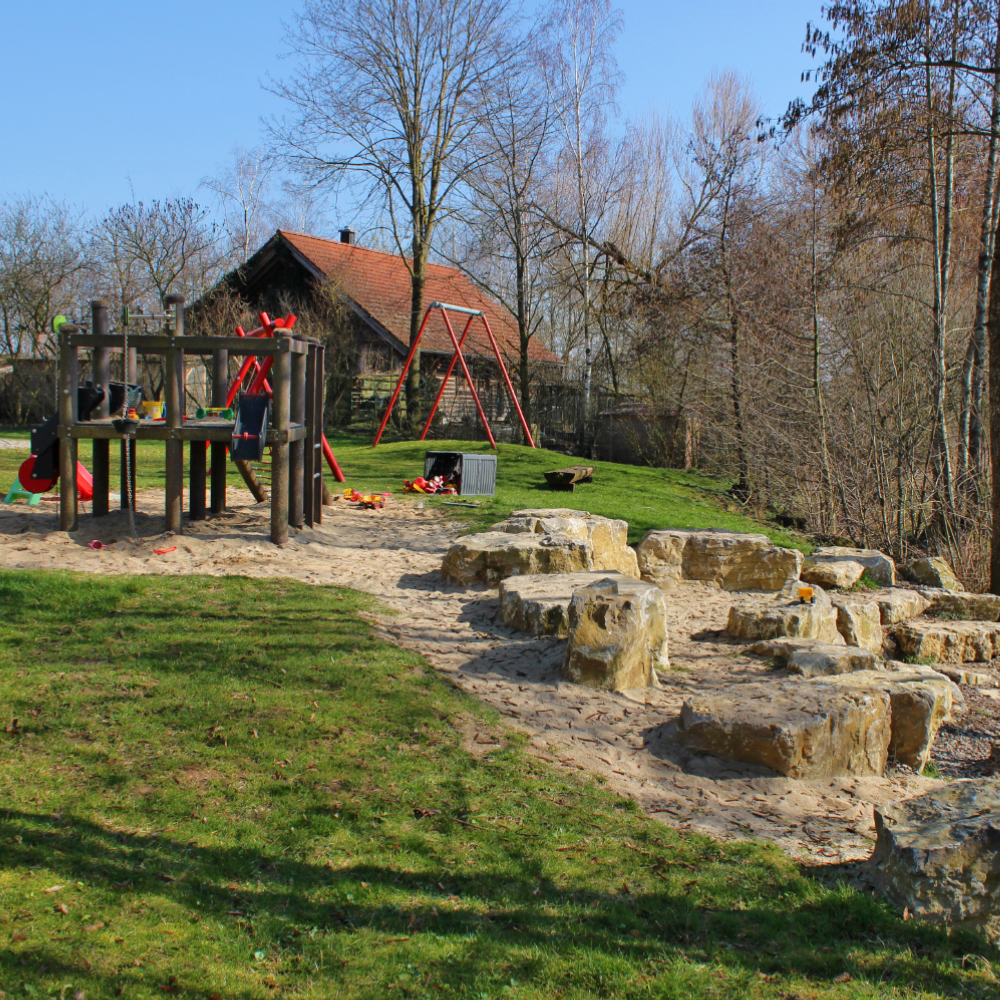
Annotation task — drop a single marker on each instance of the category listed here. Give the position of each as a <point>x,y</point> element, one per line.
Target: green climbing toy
<point>18,492</point>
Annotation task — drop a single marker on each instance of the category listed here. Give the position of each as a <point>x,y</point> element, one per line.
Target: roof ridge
<point>354,246</point>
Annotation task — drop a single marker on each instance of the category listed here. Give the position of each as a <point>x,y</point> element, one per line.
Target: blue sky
<point>101,92</point>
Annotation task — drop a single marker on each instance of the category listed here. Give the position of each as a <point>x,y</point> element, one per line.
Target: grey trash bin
<point>474,474</point>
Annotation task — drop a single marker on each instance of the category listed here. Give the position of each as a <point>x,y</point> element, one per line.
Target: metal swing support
<point>458,358</point>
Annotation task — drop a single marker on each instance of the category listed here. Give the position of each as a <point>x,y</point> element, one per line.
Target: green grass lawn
<point>647,498</point>
<point>228,788</point>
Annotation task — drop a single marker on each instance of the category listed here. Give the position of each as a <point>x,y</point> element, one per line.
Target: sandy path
<point>395,554</point>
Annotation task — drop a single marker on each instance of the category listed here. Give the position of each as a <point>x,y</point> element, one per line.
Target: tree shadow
<point>518,911</point>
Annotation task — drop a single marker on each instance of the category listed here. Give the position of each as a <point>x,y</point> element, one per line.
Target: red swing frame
<point>460,359</point>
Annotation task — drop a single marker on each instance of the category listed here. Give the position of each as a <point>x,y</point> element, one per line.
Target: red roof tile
<point>380,284</point>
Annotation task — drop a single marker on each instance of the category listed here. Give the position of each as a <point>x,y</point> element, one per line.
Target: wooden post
<point>102,379</point>
<point>68,378</point>
<point>312,457</point>
<point>196,481</point>
<point>174,447</point>
<point>281,416</point>
<point>296,450</point>
<point>174,380</point>
<point>220,387</point>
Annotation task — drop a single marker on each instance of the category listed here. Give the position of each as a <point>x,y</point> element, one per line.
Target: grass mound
<point>647,498</point>
<point>229,788</point>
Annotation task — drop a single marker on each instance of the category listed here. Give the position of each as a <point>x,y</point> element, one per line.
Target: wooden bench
<point>566,479</point>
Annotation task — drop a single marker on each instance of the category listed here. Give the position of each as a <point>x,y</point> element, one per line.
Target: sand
<point>395,554</point>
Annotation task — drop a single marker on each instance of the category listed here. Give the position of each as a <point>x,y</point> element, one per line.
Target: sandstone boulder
<point>949,642</point>
<point>963,606</point>
<point>781,649</point>
<point>938,855</point>
<point>919,701</point>
<point>824,659</point>
<point>494,555</point>
<point>617,639</point>
<point>834,573</point>
<point>800,730</point>
<point>900,605</point>
<point>933,572</point>
<point>539,604</point>
<point>859,621</point>
<point>880,567</point>
<point>731,560</point>
<point>607,537</point>
<point>962,675</point>
<point>756,618</point>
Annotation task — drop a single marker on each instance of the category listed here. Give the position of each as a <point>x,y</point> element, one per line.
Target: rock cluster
<point>949,641</point>
<point>617,636</point>
<point>840,708</point>
<point>938,855</point>
<point>756,618</point>
<point>539,603</point>
<point>541,541</point>
<point>932,572</point>
<point>826,560</point>
<point>731,560</point>
<point>799,730</point>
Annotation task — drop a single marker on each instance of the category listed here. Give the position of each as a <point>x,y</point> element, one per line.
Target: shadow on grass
<point>513,910</point>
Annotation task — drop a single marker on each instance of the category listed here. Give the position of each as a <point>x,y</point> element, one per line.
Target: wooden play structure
<point>276,401</point>
<point>458,358</point>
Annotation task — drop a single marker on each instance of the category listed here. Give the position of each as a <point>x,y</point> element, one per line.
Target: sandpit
<point>396,554</point>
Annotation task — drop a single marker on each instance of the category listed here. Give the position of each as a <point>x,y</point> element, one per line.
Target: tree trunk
<point>972,373</point>
<point>993,328</point>
<point>524,335</point>
<point>417,281</point>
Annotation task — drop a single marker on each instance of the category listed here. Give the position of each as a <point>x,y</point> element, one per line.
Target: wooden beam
<point>281,416</point>
<point>68,379</point>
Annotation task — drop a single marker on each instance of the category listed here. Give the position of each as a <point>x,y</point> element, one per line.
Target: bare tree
<point>163,247</point>
<point>577,59</point>
<point>241,190</point>
<point>41,267</point>
<point>505,249</point>
<point>388,96</point>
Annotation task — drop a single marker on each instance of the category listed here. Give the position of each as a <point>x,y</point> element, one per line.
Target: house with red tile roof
<point>376,287</point>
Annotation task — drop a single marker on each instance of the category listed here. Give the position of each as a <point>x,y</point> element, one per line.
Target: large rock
<point>963,606</point>
<point>838,574</point>
<point>948,642</point>
<point>607,537</point>
<point>901,605</point>
<point>801,730</point>
<point>494,555</point>
<point>933,572</point>
<point>920,700</point>
<point>823,659</point>
<point>756,618</point>
<point>938,855</point>
<point>539,604</point>
<point>859,621</point>
<point>731,560</point>
<point>880,567</point>
<point>617,636</point>
<point>542,541</point>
